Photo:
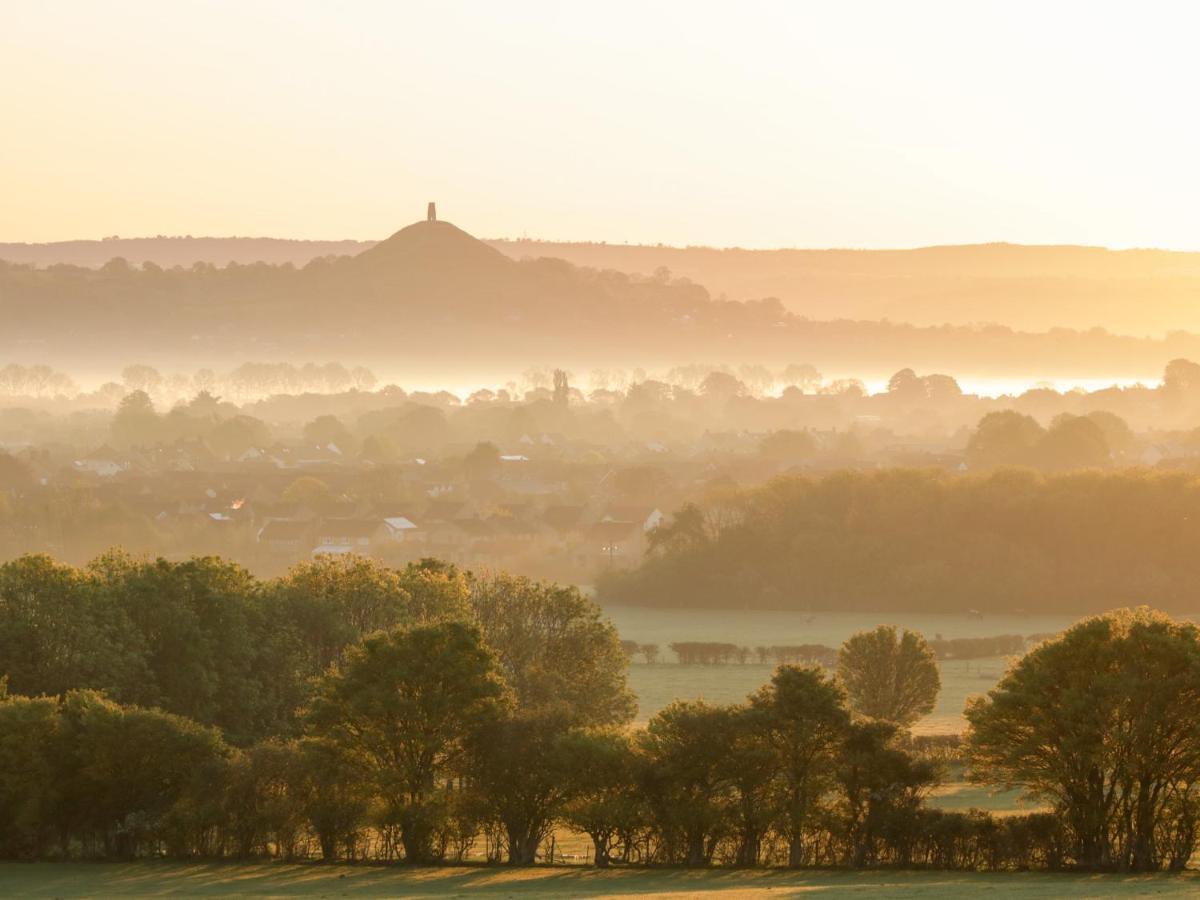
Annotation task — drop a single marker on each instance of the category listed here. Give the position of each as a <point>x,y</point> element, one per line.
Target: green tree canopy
<point>803,720</point>
<point>555,649</point>
<point>1103,723</point>
<point>405,705</point>
<point>889,676</point>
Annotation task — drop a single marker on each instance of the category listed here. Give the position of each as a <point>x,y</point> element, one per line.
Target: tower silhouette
<point>431,212</point>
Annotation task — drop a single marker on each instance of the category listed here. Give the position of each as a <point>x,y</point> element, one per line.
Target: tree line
<point>904,539</point>
<point>717,653</point>
<point>440,715</point>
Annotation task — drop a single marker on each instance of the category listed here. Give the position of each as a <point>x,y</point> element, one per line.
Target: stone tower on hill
<point>431,212</point>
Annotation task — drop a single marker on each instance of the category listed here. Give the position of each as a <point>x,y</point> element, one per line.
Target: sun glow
<point>857,124</point>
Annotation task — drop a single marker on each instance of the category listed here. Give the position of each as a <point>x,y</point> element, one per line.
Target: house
<point>285,535</point>
<point>349,535</point>
<point>104,462</point>
<point>646,517</point>
<point>400,528</point>
<point>563,518</point>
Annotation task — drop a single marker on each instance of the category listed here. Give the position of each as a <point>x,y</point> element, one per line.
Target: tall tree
<point>405,705</point>
<point>520,770</point>
<point>605,804</point>
<point>555,649</point>
<point>803,720</point>
<point>688,786</point>
<point>1103,723</point>
<point>889,676</point>
<point>332,602</point>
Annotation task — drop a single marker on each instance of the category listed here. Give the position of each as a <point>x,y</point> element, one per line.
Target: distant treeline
<point>978,647</point>
<point>712,653</point>
<point>914,539</point>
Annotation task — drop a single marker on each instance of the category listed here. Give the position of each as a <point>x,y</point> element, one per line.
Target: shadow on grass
<point>156,878</point>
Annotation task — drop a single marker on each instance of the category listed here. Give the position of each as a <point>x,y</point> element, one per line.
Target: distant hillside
<point>433,299</point>
<point>178,251</point>
<point>1027,287</point>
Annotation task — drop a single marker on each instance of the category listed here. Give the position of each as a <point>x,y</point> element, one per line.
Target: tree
<point>906,385</point>
<point>199,643</point>
<point>405,705</point>
<point>1004,438</point>
<point>1072,442</point>
<point>483,462</point>
<point>310,492</point>
<point>232,437</point>
<point>881,786</point>
<point>1103,723</point>
<point>803,721</point>
<point>562,389</point>
<point>801,375</point>
<point>332,794</point>
<point>1118,436</point>
<point>135,423</point>
<point>333,602</point>
<point>605,803</point>
<point>50,640</point>
<point>31,774</point>
<point>141,378</point>
<point>1181,382</point>
<point>137,777</point>
<point>751,765</point>
<point>688,785</point>
<point>437,591</point>
<point>889,676</point>
<point>325,430</point>
<point>555,650</point>
<point>520,771</point>
<point>722,386</point>
<point>263,801</point>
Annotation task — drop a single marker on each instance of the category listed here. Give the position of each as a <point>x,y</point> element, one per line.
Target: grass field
<point>151,879</point>
<point>657,685</point>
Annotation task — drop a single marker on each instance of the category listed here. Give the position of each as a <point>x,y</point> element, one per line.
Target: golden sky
<point>751,124</point>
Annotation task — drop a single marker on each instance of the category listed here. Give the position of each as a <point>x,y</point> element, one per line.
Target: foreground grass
<point>147,879</point>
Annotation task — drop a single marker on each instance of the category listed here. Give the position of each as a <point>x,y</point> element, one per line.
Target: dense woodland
<point>904,539</point>
<point>348,711</point>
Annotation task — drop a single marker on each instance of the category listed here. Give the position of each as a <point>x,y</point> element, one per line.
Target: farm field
<point>658,684</point>
<point>150,879</point>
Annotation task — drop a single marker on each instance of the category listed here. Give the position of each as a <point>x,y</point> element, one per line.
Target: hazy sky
<point>788,124</point>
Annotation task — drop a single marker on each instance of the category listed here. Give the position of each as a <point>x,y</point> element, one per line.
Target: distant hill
<point>1027,287</point>
<point>431,298</point>
<point>178,251</point>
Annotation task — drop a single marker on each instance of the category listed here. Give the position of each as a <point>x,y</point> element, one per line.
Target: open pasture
<point>658,684</point>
